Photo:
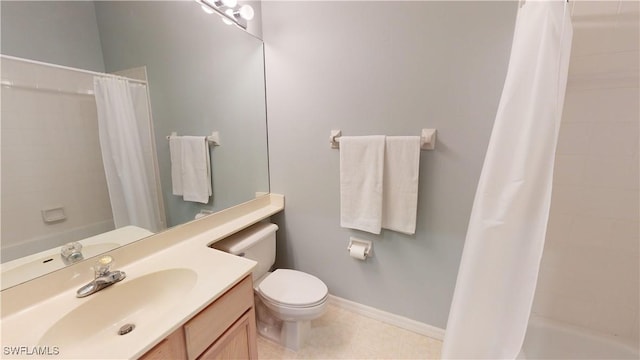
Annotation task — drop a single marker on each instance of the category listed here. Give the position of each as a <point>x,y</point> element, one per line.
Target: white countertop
<point>216,273</point>
<point>31,309</point>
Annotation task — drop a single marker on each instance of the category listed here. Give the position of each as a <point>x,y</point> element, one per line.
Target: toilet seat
<point>293,289</point>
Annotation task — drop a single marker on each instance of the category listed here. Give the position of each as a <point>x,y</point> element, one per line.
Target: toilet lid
<point>293,288</point>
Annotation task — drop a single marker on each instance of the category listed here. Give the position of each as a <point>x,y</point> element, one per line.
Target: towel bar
<point>427,139</point>
<point>213,139</point>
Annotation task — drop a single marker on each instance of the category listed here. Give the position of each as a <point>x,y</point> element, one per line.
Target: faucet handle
<point>71,252</point>
<point>103,265</point>
<point>68,248</point>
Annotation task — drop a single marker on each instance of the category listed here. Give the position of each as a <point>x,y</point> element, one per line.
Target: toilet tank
<point>257,243</point>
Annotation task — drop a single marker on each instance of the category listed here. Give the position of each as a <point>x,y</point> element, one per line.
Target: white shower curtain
<point>127,153</point>
<point>505,238</point>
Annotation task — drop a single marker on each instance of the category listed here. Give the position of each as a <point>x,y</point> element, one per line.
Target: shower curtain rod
<point>11,84</point>
<point>62,67</point>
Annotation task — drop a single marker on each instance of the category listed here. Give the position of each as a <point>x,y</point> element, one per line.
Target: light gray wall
<point>382,68</point>
<point>62,33</point>
<point>203,76</point>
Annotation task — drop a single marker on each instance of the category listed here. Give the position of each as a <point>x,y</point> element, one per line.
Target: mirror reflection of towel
<point>191,168</point>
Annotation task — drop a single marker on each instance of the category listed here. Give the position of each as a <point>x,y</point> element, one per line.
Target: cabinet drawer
<point>170,348</point>
<point>211,323</point>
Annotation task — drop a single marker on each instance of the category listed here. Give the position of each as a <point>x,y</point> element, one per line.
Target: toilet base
<point>294,333</point>
<point>290,334</point>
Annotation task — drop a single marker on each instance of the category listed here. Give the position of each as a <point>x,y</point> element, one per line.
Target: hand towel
<point>196,169</point>
<point>361,176</point>
<point>175,151</point>
<point>400,190</point>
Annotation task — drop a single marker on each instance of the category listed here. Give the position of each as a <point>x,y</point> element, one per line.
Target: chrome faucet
<point>104,277</point>
<point>71,253</point>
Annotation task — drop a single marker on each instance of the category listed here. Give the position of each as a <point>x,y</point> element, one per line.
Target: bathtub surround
<point>371,67</point>
<point>505,238</point>
<point>43,165</point>
<point>589,273</point>
<point>555,340</point>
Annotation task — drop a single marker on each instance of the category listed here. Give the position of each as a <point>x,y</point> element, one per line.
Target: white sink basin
<point>132,301</point>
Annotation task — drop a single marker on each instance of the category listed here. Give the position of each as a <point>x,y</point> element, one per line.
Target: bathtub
<point>548,339</point>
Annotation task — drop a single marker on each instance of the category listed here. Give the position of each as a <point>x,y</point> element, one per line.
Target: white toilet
<point>286,300</point>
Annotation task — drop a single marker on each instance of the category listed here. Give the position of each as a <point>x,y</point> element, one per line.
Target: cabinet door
<point>211,323</point>
<point>238,342</point>
<point>173,347</point>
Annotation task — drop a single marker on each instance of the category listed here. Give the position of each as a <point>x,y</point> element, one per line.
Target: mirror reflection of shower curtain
<point>505,238</point>
<point>127,152</point>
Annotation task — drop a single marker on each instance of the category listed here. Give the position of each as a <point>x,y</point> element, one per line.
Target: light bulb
<point>246,12</point>
<point>206,9</point>
<point>229,12</point>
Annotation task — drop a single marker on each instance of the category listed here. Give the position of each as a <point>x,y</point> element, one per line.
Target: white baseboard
<point>389,318</point>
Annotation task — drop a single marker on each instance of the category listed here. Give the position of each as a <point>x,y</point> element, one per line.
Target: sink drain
<point>125,329</point>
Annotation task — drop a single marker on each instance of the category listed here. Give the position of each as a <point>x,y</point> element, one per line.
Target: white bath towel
<point>361,176</point>
<point>400,190</point>
<point>175,150</point>
<point>196,169</point>
<point>190,168</point>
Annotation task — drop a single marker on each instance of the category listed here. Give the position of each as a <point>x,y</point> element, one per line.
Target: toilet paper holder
<point>366,243</point>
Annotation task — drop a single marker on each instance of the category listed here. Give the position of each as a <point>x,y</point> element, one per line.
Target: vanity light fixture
<point>227,3</point>
<point>246,12</point>
<point>230,15</point>
<point>207,9</point>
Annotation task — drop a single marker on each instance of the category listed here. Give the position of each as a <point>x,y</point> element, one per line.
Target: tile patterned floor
<point>342,334</point>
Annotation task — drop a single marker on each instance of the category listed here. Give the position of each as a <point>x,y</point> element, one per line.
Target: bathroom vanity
<point>226,329</point>
<point>180,299</point>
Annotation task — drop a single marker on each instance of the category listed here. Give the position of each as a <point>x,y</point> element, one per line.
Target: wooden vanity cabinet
<point>235,343</point>
<point>173,347</point>
<point>226,329</point>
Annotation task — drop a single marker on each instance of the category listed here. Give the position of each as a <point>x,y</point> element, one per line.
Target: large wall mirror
<point>198,76</point>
